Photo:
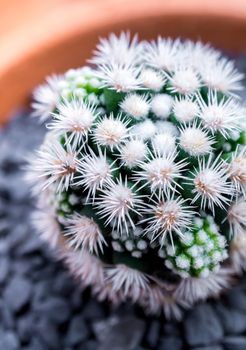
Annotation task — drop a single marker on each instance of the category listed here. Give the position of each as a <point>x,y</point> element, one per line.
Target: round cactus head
<point>141,179</point>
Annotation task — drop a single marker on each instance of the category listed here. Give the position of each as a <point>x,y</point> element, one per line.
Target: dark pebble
<point>235,343</point>
<point>6,316</point>
<point>30,246</point>
<point>212,347</point>
<point>36,344</point>
<point>122,333</point>
<point>93,310</point>
<point>153,333</point>
<point>17,293</point>
<point>9,341</point>
<point>48,335</point>
<point>25,327</point>
<point>170,343</point>
<point>202,326</point>
<point>4,269</point>
<point>236,298</point>
<point>233,320</point>
<point>63,285</point>
<point>77,331</point>
<point>92,345</point>
<point>55,309</point>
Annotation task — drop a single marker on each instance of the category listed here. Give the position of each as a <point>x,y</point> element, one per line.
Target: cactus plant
<point>141,178</point>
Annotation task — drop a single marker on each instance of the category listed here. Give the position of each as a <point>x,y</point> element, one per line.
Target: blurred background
<point>41,37</point>
<point>41,307</point>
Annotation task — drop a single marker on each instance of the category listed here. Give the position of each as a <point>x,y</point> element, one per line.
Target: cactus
<point>141,178</point>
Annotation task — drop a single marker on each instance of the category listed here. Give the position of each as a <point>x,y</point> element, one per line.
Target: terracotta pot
<point>41,37</point>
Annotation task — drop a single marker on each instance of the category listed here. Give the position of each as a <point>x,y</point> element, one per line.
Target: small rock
<point>63,285</point>
<point>9,341</point>
<point>17,293</point>
<point>235,343</point>
<point>93,310</point>
<point>153,334</point>
<point>25,327</point>
<point>48,334</point>
<point>92,345</point>
<point>30,246</point>
<point>210,347</point>
<point>77,331</point>
<point>36,344</point>
<point>55,309</point>
<point>233,321</point>
<point>125,333</point>
<point>170,343</point>
<point>42,290</point>
<point>202,326</point>
<point>4,269</point>
<point>6,317</point>
<point>236,298</point>
<point>171,328</point>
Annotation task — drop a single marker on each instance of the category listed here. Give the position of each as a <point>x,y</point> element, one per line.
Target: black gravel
<point>41,307</point>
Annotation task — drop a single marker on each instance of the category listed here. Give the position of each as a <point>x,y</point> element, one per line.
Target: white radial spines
<point>133,152</point>
<point>167,215</point>
<point>195,140</point>
<point>161,172</point>
<point>184,80</point>
<point>119,50</point>
<point>111,132</point>
<point>164,143</point>
<point>211,186</point>
<point>185,109</point>
<point>119,77</point>
<point>117,203</point>
<point>46,97</point>
<point>128,280</point>
<point>56,165</point>
<point>136,106</point>
<point>75,119</point>
<point>162,54</point>
<point>237,170</point>
<point>237,217</point>
<point>94,172</point>
<point>221,116</point>
<point>84,233</point>
<point>221,75</point>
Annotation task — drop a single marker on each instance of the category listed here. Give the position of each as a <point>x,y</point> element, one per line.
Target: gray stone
<point>91,345</point>
<point>6,317</point>
<point>235,343</point>
<point>9,341</point>
<point>236,298</point>
<point>18,293</point>
<point>119,333</point>
<point>4,269</point>
<point>25,327</point>
<point>30,246</point>
<point>171,328</point>
<point>233,320</point>
<point>93,310</point>
<point>202,326</point>
<point>55,309</point>
<point>36,344</point>
<point>47,334</point>
<point>170,343</point>
<point>63,284</point>
<point>77,331</point>
<point>153,333</point>
<point>210,347</point>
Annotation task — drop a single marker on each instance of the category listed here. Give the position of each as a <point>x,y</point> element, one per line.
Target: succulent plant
<point>141,178</point>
